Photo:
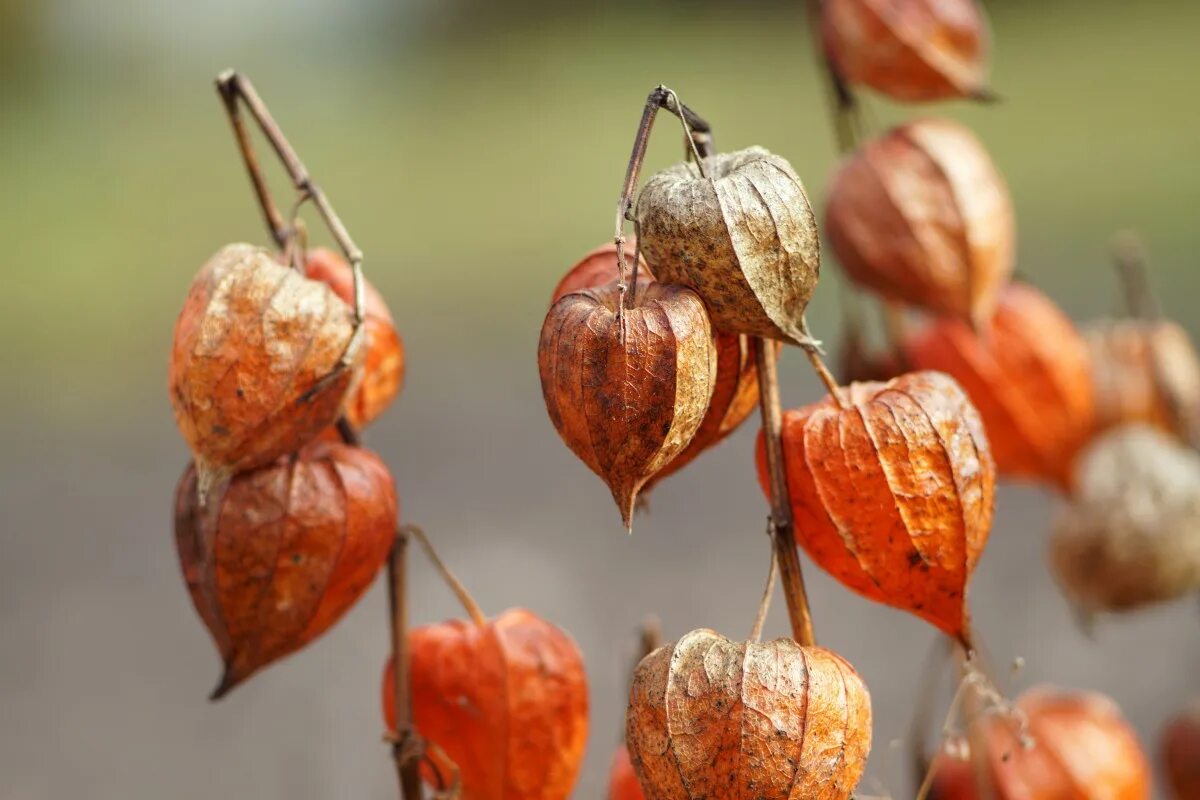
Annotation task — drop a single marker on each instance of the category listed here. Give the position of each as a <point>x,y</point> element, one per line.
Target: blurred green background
<point>475,150</point>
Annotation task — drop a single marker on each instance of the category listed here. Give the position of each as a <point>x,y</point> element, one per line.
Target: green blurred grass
<point>473,171</point>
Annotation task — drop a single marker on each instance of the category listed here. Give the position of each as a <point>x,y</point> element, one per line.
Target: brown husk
<point>253,346</point>
<point>286,550</point>
<point>920,215</point>
<point>745,238</point>
<point>627,391</point>
<point>715,719</point>
<point>910,50</point>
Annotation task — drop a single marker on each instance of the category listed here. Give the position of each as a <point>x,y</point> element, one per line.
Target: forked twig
<point>698,134</point>
<point>235,91</point>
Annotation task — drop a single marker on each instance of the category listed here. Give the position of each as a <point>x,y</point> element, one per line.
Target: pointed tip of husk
<point>984,94</point>
<point>210,481</point>
<point>229,681</point>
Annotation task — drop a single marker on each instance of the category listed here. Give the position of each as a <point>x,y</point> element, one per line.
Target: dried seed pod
<point>1145,371</point>
<point>627,390</point>
<point>744,237</point>
<point>623,782</point>
<point>1181,753</point>
<point>894,494</point>
<point>910,50</point>
<point>735,390</point>
<point>716,719</point>
<point>285,552</point>
<point>1076,745</point>
<point>921,215</point>
<point>255,348</point>
<point>383,361</point>
<point>505,701</point>
<point>1028,372</point>
<point>1130,534</point>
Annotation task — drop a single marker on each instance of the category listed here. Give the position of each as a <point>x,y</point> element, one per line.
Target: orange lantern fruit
<point>623,782</point>
<point>735,392</point>
<point>254,365</point>
<point>284,552</point>
<point>717,719</point>
<point>921,216</point>
<point>504,699</point>
<point>893,494</point>
<point>1028,372</point>
<point>627,388</point>
<point>910,50</point>
<point>383,361</point>
<point>1077,744</point>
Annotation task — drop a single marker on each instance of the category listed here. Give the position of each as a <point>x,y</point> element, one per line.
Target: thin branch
<point>464,597</point>
<point>234,87</point>
<point>845,112</point>
<point>918,728</point>
<point>764,605</point>
<point>1129,255</point>
<point>812,350</point>
<point>699,135</point>
<point>782,523</point>
<point>406,745</point>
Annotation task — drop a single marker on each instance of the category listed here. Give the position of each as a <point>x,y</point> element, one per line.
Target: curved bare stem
<point>460,591</point>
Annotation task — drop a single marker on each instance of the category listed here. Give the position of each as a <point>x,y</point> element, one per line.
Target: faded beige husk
<point>1131,535</point>
<point>1145,371</point>
<point>744,237</point>
<point>714,719</point>
<point>627,391</point>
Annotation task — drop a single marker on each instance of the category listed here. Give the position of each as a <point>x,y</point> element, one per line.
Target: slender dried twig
<point>845,110</point>
<point>764,605</point>
<point>460,591</point>
<point>782,523</point>
<point>699,140</point>
<point>406,746</point>
<point>235,91</point>
<point>1129,255</point>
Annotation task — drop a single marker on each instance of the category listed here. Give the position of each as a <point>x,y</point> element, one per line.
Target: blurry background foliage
<point>475,150</point>
<point>477,147</point>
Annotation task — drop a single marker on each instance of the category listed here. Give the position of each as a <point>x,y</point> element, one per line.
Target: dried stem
<point>764,605</point>
<point>1129,255</point>
<point>651,637</point>
<point>847,125</point>
<point>919,759</point>
<point>699,138</point>
<point>234,87</point>
<point>464,597</point>
<point>973,710</point>
<point>405,746</point>
<point>236,90</point>
<point>781,521</point>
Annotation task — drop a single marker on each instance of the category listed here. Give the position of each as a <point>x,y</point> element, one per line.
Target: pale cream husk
<point>1131,535</point>
<point>744,237</point>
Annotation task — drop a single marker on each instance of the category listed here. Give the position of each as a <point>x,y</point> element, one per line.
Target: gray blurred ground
<point>119,180</point>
